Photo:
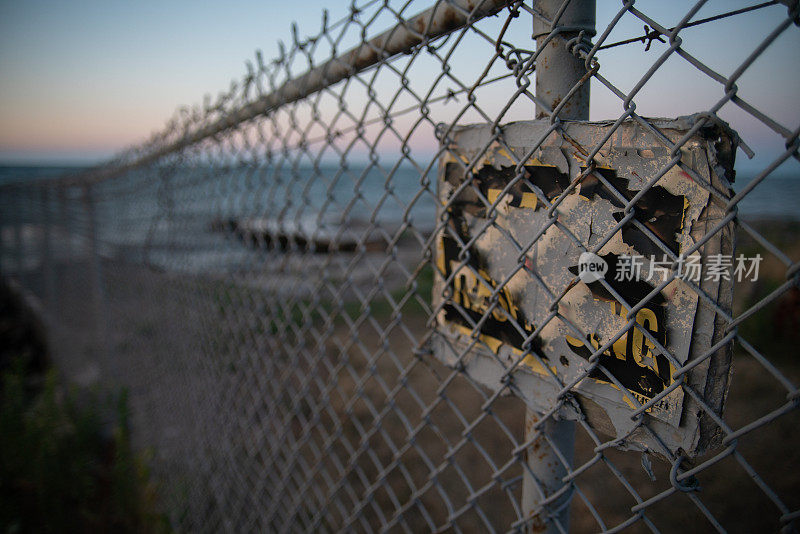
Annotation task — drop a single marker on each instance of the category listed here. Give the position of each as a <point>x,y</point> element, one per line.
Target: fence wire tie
<point>691,484</point>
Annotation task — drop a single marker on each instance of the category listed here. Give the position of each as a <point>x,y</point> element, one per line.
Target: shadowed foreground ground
<point>66,464</point>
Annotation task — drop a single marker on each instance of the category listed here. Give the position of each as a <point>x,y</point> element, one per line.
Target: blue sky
<point>81,80</point>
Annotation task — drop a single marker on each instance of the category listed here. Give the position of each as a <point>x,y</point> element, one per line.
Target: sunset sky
<point>81,80</point>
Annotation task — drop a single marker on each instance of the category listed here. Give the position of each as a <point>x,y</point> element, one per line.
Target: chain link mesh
<point>261,277</point>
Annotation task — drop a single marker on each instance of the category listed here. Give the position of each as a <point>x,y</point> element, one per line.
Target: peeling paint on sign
<point>502,261</point>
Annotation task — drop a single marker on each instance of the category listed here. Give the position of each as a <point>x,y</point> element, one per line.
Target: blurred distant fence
<point>346,295</point>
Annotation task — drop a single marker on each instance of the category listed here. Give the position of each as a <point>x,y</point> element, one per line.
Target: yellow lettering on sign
<point>529,200</point>
<point>641,347</point>
<point>475,293</point>
<point>494,345</point>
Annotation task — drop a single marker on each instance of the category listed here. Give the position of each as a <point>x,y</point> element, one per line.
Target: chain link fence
<point>351,293</point>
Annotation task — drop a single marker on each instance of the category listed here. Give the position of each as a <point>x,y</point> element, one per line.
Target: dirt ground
<point>312,414</point>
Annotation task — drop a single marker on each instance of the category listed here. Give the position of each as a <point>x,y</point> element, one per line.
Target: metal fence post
<point>95,273</point>
<point>3,225</point>
<point>557,72</point>
<point>64,225</point>
<point>19,248</point>
<point>47,253</point>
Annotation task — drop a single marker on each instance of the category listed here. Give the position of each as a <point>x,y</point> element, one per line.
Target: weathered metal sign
<point>506,286</point>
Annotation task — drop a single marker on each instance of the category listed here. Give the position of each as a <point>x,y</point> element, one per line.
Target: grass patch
<point>66,461</point>
<point>61,470</point>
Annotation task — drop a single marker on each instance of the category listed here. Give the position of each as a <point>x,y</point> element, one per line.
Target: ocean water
<point>12,173</point>
<point>777,197</point>
<point>304,196</point>
<point>175,223</point>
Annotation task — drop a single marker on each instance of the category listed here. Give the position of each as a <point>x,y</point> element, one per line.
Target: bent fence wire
<point>298,281</point>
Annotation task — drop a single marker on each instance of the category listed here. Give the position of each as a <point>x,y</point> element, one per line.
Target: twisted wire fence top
<point>345,293</point>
